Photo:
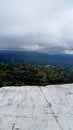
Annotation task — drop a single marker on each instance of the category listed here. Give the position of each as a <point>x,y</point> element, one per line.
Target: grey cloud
<point>40,25</point>
<point>33,44</point>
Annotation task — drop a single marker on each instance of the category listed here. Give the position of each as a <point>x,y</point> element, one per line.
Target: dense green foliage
<point>19,75</point>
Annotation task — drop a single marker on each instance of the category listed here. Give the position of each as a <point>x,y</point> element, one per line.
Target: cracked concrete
<point>36,108</point>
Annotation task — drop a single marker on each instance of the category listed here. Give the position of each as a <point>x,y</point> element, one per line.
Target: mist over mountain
<point>37,43</point>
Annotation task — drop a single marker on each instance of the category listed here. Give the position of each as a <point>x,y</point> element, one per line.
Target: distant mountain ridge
<point>35,58</point>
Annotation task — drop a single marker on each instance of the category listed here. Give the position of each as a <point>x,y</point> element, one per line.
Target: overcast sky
<point>37,25</point>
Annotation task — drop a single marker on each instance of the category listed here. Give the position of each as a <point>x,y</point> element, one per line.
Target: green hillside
<point>19,75</point>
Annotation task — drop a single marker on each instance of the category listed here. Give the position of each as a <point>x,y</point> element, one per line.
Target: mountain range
<point>35,58</point>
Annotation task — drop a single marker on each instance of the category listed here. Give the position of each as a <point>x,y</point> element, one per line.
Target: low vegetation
<point>21,75</point>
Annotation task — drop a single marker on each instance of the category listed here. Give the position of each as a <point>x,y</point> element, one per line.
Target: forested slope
<point>19,75</point>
